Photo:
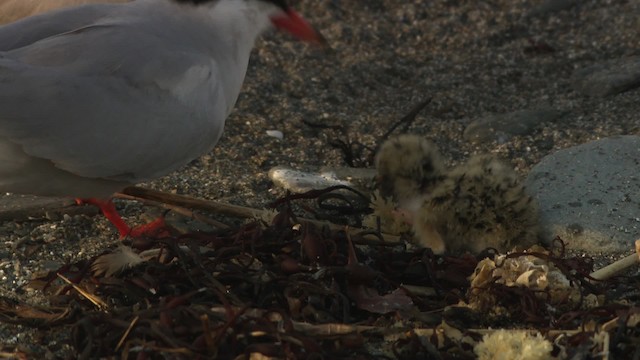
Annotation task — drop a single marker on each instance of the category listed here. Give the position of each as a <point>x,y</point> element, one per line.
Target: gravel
<point>473,58</point>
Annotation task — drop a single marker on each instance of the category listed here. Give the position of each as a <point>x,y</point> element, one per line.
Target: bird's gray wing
<point>111,102</point>
<point>34,28</point>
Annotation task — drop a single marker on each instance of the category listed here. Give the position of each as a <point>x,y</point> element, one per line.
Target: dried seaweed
<point>290,290</point>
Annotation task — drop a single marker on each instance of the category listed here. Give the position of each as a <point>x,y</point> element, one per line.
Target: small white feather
<point>122,258</point>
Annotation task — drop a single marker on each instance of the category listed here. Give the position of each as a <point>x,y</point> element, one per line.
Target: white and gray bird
<point>97,97</point>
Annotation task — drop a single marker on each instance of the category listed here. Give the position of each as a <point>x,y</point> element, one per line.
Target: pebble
<point>589,194</point>
<point>551,6</point>
<point>502,127</point>
<point>608,78</point>
<point>276,134</point>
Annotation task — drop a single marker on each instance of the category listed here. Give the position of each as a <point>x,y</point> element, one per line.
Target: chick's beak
<point>296,25</point>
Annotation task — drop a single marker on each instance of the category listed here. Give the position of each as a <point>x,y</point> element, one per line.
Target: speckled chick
<point>480,204</point>
<point>408,167</point>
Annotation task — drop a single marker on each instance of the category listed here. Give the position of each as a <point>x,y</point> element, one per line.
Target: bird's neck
<point>241,22</point>
<point>237,26</point>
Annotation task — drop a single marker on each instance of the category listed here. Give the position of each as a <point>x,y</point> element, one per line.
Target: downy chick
<point>476,205</point>
<point>480,204</point>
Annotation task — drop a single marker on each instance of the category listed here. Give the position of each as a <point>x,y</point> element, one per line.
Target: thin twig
<point>99,303</point>
<point>406,120</point>
<point>126,333</point>
<point>337,329</point>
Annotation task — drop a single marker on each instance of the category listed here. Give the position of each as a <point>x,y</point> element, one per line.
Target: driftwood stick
<point>244,212</point>
<point>618,266</point>
<point>192,203</point>
<point>177,209</point>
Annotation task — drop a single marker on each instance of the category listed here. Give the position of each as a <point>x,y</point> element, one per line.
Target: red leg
<point>156,228</point>
<point>109,211</point>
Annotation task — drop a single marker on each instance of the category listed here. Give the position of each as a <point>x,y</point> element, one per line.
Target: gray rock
<point>608,78</point>
<point>589,195</point>
<point>501,127</point>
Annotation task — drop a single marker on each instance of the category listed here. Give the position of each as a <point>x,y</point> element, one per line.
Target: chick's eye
<point>427,166</point>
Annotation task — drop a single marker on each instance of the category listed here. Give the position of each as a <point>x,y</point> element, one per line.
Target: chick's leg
<point>427,236</point>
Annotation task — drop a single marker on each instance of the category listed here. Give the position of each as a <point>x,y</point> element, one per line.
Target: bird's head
<point>279,13</point>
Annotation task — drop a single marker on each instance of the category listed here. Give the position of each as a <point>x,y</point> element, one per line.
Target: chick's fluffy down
<point>408,165</point>
<point>480,204</point>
